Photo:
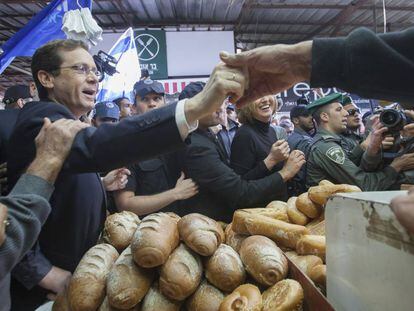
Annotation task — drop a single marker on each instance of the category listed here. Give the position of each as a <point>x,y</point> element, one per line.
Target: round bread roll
<point>312,245</point>
<point>127,283</point>
<point>263,260</point>
<point>154,240</point>
<point>225,269</point>
<point>286,295</point>
<point>205,298</point>
<point>181,274</point>
<point>234,239</point>
<point>87,285</point>
<point>119,229</point>
<point>295,215</point>
<point>201,233</point>
<point>304,263</point>
<point>246,297</point>
<point>156,301</point>
<point>318,275</point>
<point>105,306</point>
<point>307,207</point>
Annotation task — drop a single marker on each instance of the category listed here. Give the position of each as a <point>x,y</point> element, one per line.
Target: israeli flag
<point>121,84</point>
<point>43,27</point>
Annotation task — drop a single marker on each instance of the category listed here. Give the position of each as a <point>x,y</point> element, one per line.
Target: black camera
<point>394,120</point>
<point>105,63</point>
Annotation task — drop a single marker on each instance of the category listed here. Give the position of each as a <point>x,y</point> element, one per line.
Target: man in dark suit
<point>14,99</point>
<point>67,80</point>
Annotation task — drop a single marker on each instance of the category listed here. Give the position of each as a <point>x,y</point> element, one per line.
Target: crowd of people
<point>71,161</point>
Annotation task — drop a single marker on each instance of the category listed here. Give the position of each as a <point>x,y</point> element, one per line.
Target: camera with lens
<point>105,63</point>
<point>394,120</point>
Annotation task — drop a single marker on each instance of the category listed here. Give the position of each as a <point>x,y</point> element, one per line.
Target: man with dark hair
<point>125,107</point>
<point>149,94</point>
<point>67,80</point>
<point>328,160</point>
<point>302,121</point>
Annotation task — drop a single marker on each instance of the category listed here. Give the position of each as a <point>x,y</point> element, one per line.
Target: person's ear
<point>46,79</point>
<point>324,116</point>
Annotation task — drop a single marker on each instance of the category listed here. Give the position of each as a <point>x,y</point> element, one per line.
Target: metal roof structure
<point>254,22</point>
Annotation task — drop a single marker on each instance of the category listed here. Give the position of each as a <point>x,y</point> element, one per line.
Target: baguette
<point>234,239</point>
<point>286,295</point>
<point>205,298</point>
<point>156,301</point>
<point>225,269</point>
<point>284,234</point>
<point>304,263</point>
<point>181,274</point>
<point>295,215</point>
<point>318,275</point>
<point>263,260</point>
<point>320,194</point>
<point>87,286</point>
<point>246,297</point>
<point>307,206</point>
<point>105,306</point>
<point>119,229</point>
<point>154,240</point>
<point>127,283</point>
<point>201,233</point>
<point>239,216</point>
<point>312,245</point>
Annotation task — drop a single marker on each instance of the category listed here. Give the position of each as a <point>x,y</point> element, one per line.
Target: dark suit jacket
<point>221,190</point>
<point>8,118</point>
<point>78,203</point>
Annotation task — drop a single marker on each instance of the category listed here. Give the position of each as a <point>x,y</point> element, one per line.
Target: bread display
<point>154,240</point>
<point>286,295</point>
<point>283,233</point>
<point>206,298</point>
<point>181,273</point>
<point>127,283</point>
<point>263,260</point>
<point>156,301</point>
<point>304,263</point>
<point>87,285</point>
<point>225,269</point>
<point>318,275</point>
<point>320,194</point>
<point>246,297</point>
<point>105,306</point>
<point>312,245</point>
<point>119,229</point>
<point>295,215</point>
<point>200,233</point>
<point>307,206</point>
<point>240,216</point>
<point>233,239</point>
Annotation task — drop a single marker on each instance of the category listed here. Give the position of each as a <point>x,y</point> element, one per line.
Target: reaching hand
<point>116,179</point>
<point>185,188</point>
<point>375,139</point>
<point>55,280</point>
<point>272,69</point>
<point>404,162</point>
<point>293,165</point>
<point>280,151</point>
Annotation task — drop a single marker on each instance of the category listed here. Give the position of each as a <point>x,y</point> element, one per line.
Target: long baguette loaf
<point>307,206</point>
<point>105,306</point>
<point>246,297</point>
<point>295,215</point>
<point>286,295</point>
<point>320,194</point>
<point>234,239</point>
<point>225,269</point>
<point>278,205</point>
<point>156,301</point>
<point>239,226</point>
<point>87,286</point>
<point>304,263</point>
<point>263,260</point>
<point>312,245</point>
<point>154,240</point>
<point>201,233</point>
<point>119,229</point>
<point>127,283</point>
<point>205,298</point>
<point>283,233</point>
<point>181,274</point>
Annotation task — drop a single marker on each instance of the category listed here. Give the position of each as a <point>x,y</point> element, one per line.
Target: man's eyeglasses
<point>84,69</point>
<point>352,112</point>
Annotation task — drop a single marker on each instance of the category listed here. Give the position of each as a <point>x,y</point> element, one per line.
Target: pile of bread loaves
<point>168,263</point>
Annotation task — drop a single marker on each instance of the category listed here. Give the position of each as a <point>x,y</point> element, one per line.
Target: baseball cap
<point>299,111</point>
<point>15,92</point>
<point>106,110</point>
<point>191,90</point>
<point>144,87</point>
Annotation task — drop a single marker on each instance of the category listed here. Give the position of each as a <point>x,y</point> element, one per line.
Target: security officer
<point>105,112</point>
<point>328,160</point>
<point>300,139</point>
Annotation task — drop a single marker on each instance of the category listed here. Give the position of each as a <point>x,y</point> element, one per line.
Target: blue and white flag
<point>43,27</point>
<point>121,84</point>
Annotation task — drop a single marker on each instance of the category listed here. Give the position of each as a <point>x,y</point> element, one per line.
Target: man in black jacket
<point>67,82</point>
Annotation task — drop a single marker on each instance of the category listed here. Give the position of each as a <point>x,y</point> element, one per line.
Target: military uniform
<point>299,140</point>
<point>350,142</point>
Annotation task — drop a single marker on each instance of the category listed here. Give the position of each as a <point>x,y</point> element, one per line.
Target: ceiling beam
<point>281,6</point>
<point>346,14</point>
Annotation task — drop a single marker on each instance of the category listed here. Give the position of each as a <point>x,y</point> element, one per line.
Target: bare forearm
<point>47,168</point>
<point>146,204</point>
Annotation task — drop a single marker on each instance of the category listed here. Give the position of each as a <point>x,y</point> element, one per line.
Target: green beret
<point>332,98</point>
<point>346,99</point>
